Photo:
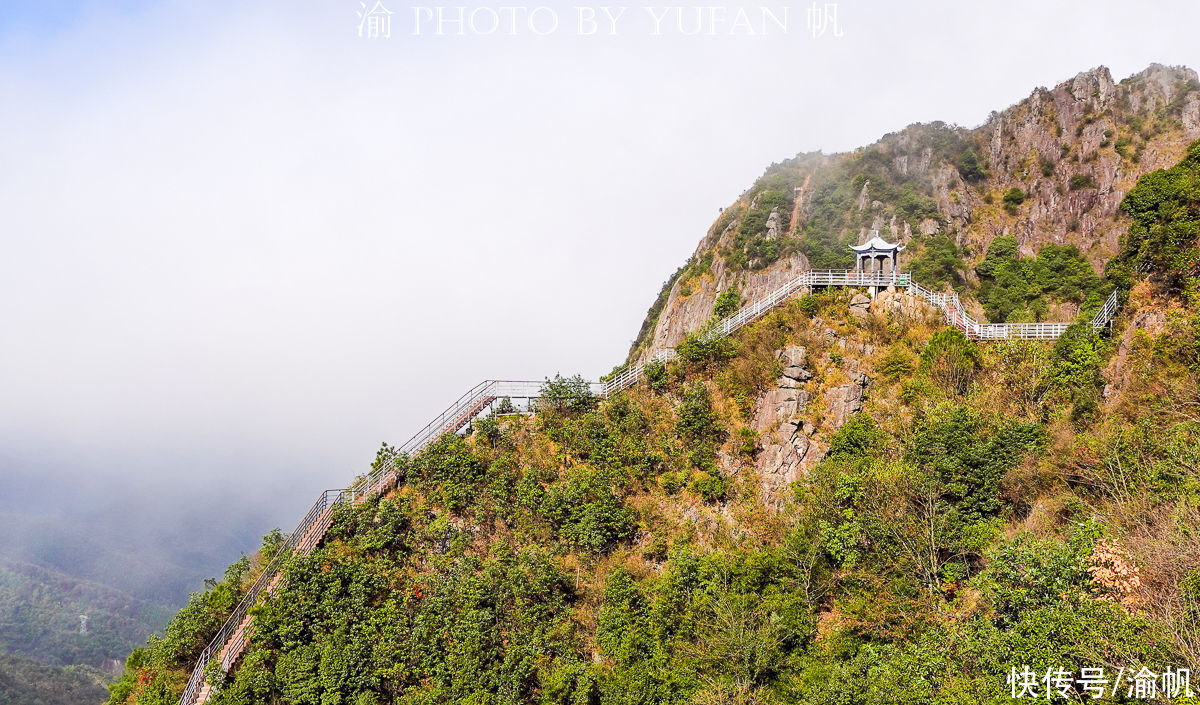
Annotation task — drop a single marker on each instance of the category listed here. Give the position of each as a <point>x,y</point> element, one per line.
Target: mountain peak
<point>1049,170</point>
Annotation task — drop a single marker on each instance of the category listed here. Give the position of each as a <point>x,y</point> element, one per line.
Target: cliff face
<point>1072,152</point>
<point>874,507</point>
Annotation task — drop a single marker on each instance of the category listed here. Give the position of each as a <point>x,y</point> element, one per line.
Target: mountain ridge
<point>1087,127</point>
<point>844,501</point>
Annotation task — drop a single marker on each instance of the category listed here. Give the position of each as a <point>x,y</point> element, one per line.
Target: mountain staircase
<point>230,641</point>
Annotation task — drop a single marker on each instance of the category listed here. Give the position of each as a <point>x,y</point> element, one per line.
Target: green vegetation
<point>699,348</point>
<point>1014,288</point>
<point>39,618</point>
<point>727,303</point>
<point>809,304</point>
<point>1082,181</point>
<point>939,263</point>
<point>951,360</point>
<point>766,200</point>
<point>896,363</point>
<point>1013,198</point>
<point>1163,239</point>
<point>970,167</point>
<point>24,682</point>
<point>753,246</point>
<point>834,217</point>
<point>553,566</point>
<point>566,394</point>
<point>987,509</point>
<point>156,673</point>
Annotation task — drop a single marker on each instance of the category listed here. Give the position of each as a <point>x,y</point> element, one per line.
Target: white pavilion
<point>877,255</point>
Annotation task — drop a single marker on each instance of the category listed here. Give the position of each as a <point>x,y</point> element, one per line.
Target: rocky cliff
<point>1051,169</point>
<point>844,501</point>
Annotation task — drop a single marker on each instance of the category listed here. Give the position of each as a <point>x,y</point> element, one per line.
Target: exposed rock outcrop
<point>860,306</point>
<point>1074,150</point>
<point>785,441</point>
<point>790,445</point>
<point>684,314</point>
<point>898,304</point>
<point>845,400</point>
<point>774,223</point>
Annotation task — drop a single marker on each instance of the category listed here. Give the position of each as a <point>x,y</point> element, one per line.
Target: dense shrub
<point>1027,574</point>
<point>450,470</point>
<point>858,437</point>
<point>570,394</point>
<point>1016,288</point>
<point>897,363</point>
<point>586,510</point>
<point>970,456</point>
<point>695,416</point>
<point>971,167</point>
<point>702,349</point>
<point>727,303</point>
<point>1012,199</point>
<point>657,375</point>
<point>1165,208</point>
<point>939,263</point>
<point>951,359</point>
<point>1076,361</point>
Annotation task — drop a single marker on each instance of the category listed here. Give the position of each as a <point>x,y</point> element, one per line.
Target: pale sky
<point>243,244</point>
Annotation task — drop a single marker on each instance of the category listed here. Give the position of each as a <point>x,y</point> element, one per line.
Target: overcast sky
<point>242,243</point>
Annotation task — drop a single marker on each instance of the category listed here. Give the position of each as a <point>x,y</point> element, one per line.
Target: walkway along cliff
<point>230,641</point>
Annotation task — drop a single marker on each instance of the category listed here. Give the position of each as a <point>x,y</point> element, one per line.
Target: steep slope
<point>1051,170</point>
<point>39,618</point>
<point>24,682</point>
<point>621,552</point>
<point>846,501</point>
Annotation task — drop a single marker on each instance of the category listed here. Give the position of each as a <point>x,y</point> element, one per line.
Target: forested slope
<point>973,509</point>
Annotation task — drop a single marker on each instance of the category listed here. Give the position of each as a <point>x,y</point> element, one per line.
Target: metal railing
<point>1107,312</point>
<point>629,375</point>
<point>229,641</point>
<point>1020,331</point>
<point>955,315</point>
<point>470,405</point>
<point>232,637</point>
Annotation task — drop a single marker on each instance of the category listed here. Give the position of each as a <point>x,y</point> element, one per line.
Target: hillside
<point>844,502</point>
<point>1050,170</point>
<point>25,682</point>
<point>65,554</point>
<point>39,618</point>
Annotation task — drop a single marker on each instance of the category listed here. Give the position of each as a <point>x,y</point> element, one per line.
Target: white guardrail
<point>231,639</point>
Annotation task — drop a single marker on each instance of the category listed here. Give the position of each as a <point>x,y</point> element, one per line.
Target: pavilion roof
<point>877,243</point>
